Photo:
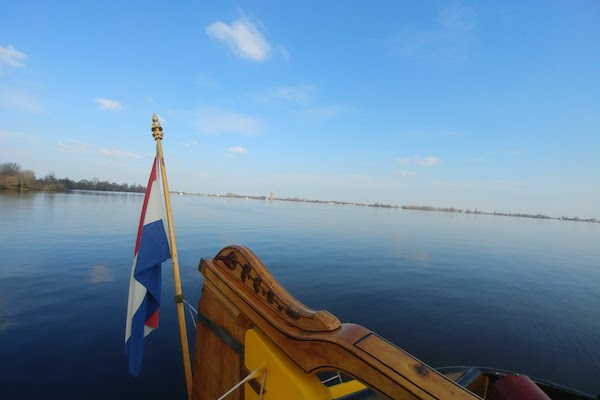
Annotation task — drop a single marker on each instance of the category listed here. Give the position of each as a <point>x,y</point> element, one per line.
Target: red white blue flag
<point>151,249</point>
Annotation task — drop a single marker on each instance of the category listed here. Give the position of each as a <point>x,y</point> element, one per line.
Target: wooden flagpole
<point>158,135</point>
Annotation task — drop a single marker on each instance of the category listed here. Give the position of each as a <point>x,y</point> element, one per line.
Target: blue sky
<point>489,105</point>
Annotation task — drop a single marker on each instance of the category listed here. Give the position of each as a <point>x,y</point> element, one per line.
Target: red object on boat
<point>517,387</point>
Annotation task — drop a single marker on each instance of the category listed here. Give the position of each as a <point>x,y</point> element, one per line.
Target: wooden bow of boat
<point>249,322</point>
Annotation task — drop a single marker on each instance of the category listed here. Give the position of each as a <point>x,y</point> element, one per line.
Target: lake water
<point>452,289</point>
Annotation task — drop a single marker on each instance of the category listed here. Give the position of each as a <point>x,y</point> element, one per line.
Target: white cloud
<point>107,104</point>
<point>74,146</point>
<point>7,135</point>
<point>242,37</point>
<point>493,185</point>
<point>214,121</point>
<point>291,94</point>
<point>404,174</point>
<point>284,53</point>
<point>509,152</point>
<point>17,136</point>
<point>234,151</point>
<point>456,18</point>
<point>189,143</point>
<point>20,100</point>
<point>331,111</point>
<point>427,161</point>
<point>449,39</point>
<point>207,82</point>
<point>116,153</point>
<point>12,57</point>
<point>237,150</point>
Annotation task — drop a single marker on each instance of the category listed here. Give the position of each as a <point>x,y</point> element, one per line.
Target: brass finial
<point>156,128</point>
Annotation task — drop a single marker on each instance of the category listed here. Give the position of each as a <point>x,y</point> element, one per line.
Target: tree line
<point>13,177</point>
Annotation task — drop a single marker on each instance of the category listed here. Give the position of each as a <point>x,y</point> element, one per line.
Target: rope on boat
<point>214,328</point>
<point>192,310</point>
<point>262,370</point>
<point>336,376</point>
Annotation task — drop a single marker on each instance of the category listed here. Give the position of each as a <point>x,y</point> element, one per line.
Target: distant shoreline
<point>378,205</point>
<point>14,178</point>
<point>330,202</point>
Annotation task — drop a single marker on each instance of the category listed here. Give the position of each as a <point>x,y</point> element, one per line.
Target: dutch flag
<point>151,249</point>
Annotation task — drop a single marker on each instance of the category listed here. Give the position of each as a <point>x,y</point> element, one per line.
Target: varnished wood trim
<point>347,348</point>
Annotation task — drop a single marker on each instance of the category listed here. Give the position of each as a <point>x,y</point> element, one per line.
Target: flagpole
<point>158,135</point>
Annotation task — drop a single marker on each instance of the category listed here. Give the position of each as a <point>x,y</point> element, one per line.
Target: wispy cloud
<point>214,121</point>
<point>331,111</point>
<point>189,143</point>
<point>509,152</point>
<point>304,100</point>
<point>107,104</point>
<point>429,161</point>
<point>447,39</point>
<point>116,153</point>
<point>74,146</point>
<point>12,135</point>
<point>208,82</point>
<point>456,18</point>
<point>404,174</point>
<point>235,151</point>
<point>289,94</point>
<point>405,160</point>
<point>492,185</point>
<point>242,37</point>
<point>283,51</point>
<point>20,100</point>
<point>7,134</point>
<point>11,57</point>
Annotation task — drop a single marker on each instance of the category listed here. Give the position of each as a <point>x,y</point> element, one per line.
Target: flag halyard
<point>151,249</point>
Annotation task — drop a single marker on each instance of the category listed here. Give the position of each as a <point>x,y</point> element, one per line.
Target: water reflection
<point>7,321</point>
<point>463,282</point>
<point>101,273</point>
<point>422,257</point>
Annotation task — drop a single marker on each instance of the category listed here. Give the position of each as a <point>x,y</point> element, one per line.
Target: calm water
<point>513,293</point>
